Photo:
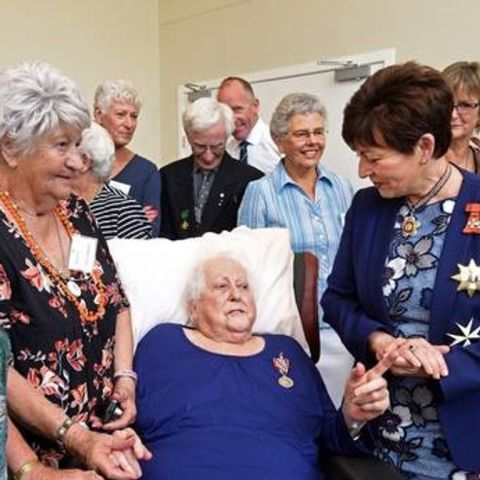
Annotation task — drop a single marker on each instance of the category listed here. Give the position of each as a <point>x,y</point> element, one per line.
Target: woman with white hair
<point>118,215</point>
<point>224,403</point>
<point>116,108</point>
<point>311,201</point>
<point>61,302</point>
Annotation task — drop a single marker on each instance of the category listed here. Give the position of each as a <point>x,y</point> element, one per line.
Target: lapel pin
<point>473,221</point>
<point>468,278</point>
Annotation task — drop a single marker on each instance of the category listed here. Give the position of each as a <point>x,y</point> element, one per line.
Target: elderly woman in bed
<point>220,399</point>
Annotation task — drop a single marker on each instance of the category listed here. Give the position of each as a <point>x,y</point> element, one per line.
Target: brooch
<point>282,365</point>
<point>468,335</point>
<point>473,221</point>
<point>468,278</point>
<point>184,214</point>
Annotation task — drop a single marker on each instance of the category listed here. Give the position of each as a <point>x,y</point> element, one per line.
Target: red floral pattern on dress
<point>69,361</point>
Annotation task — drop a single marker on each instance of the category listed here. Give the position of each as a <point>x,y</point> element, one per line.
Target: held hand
<point>419,358</point>
<point>380,341</point>
<point>366,394</point>
<point>98,451</point>
<point>128,459</point>
<point>124,392</point>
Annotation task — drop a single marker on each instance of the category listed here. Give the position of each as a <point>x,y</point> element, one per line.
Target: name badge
<point>124,187</point>
<point>83,251</point>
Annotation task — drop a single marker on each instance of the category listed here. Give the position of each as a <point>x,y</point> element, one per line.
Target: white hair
<point>99,147</point>
<point>197,281</point>
<point>35,98</point>
<point>115,91</point>
<point>205,113</point>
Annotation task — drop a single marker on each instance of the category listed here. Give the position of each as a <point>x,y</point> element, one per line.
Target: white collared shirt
<point>262,151</point>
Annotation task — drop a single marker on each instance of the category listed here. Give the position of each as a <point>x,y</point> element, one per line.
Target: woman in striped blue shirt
<point>311,201</point>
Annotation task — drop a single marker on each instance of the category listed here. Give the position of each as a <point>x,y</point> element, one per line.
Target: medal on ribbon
<point>282,365</point>
<point>473,221</point>
<point>184,214</point>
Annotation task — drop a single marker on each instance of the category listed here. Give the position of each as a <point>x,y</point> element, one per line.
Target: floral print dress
<point>409,434</point>
<point>69,360</point>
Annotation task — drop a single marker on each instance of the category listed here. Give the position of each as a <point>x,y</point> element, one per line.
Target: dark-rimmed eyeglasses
<point>199,149</point>
<point>465,107</point>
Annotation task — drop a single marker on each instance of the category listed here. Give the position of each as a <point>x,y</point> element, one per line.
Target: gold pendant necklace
<point>410,224</point>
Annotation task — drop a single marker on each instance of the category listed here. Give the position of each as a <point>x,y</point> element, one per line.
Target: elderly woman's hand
<point>113,456</point>
<point>366,394</point>
<point>124,392</point>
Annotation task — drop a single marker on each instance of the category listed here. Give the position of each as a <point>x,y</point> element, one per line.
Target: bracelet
<point>27,467</point>
<point>126,373</point>
<point>354,429</point>
<point>62,432</point>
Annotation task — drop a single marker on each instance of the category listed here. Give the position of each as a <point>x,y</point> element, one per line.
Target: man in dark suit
<point>202,193</point>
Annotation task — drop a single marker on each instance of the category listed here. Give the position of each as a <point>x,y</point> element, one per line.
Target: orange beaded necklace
<point>85,315</point>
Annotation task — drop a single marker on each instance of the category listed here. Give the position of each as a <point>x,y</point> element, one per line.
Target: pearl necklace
<point>85,315</point>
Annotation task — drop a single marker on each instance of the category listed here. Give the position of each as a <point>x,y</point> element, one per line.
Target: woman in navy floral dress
<point>407,268</point>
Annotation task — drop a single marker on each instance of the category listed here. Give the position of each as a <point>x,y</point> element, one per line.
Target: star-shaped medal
<point>468,278</point>
<point>467,334</point>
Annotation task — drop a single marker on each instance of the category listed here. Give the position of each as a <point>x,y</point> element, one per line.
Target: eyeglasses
<point>465,107</point>
<point>304,135</point>
<point>199,149</point>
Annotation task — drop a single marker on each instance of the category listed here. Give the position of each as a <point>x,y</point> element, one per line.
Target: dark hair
<point>246,85</point>
<point>396,106</point>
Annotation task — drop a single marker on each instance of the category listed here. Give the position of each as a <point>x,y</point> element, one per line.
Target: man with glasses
<point>250,141</point>
<point>202,193</point>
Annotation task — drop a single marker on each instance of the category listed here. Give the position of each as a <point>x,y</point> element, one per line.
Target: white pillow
<point>154,275</point>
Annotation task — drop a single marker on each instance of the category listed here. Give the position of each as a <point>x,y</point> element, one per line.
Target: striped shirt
<point>118,215</point>
<point>314,225</point>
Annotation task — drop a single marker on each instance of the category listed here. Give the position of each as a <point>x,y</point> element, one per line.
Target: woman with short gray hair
<point>308,199</point>
<point>116,108</point>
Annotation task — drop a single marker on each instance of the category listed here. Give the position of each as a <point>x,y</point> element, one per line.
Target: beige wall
<point>160,44</point>
<point>91,40</point>
<point>205,39</point>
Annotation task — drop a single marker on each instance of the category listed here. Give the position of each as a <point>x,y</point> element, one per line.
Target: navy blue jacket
<point>354,305</point>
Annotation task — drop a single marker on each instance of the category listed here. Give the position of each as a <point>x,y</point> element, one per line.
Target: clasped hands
<point>114,456</point>
<point>416,356</point>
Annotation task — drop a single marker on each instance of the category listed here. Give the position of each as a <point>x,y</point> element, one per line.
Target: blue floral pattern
<point>409,433</point>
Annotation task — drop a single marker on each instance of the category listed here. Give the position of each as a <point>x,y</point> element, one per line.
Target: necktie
<point>243,152</point>
<point>203,193</point>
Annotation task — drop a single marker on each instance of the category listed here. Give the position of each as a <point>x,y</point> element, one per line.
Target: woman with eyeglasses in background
<point>464,80</point>
<point>311,201</point>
